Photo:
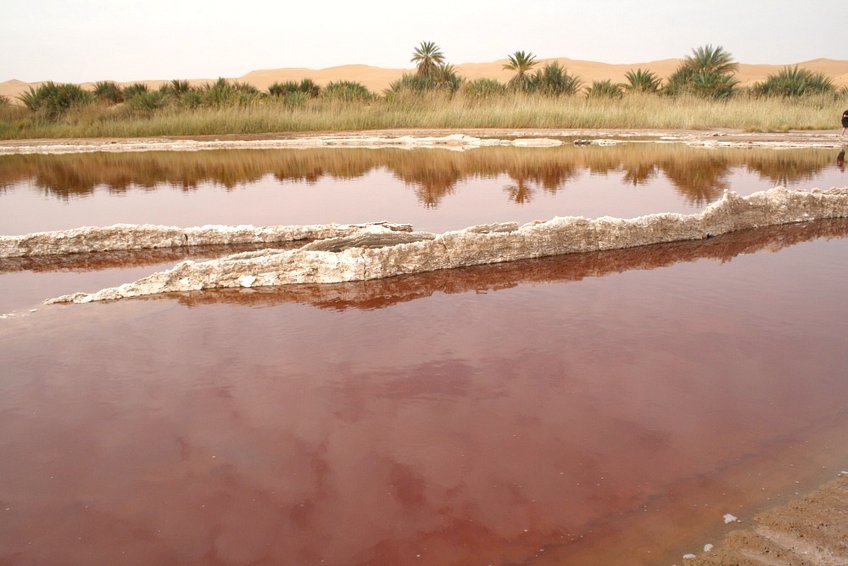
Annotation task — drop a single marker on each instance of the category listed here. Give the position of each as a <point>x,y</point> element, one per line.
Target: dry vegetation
<point>516,110</point>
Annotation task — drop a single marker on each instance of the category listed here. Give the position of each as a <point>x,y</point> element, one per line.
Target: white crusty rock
<point>353,140</point>
<point>379,251</point>
<point>124,237</point>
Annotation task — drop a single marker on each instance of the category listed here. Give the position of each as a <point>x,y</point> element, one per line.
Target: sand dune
<point>379,78</point>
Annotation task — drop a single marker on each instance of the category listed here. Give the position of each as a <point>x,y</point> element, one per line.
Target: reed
<point>253,114</point>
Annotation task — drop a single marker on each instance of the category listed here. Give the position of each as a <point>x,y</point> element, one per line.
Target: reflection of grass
<point>699,174</point>
<point>512,110</point>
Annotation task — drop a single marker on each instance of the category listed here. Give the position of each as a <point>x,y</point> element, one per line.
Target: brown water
<point>601,408</point>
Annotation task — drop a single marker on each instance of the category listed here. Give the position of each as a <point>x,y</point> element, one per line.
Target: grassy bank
<point>511,110</point>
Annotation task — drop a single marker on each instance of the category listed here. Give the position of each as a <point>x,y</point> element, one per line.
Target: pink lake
<point>602,408</point>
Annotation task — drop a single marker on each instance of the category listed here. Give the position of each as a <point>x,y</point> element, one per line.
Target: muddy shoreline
<point>812,529</point>
<point>449,138</point>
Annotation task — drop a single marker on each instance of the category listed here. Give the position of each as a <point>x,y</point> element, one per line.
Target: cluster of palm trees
<point>708,72</point>
<point>431,72</point>
<point>52,100</point>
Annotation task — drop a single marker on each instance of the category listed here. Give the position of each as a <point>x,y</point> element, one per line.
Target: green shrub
<point>307,87</point>
<point>707,73</point>
<point>483,88</point>
<point>55,99</point>
<point>219,93</point>
<point>642,80</point>
<point>347,91</point>
<point>108,91</point>
<point>554,80</point>
<point>294,99</point>
<point>794,81</point>
<point>282,89</point>
<point>193,98</point>
<point>134,89</point>
<point>443,78</point>
<point>175,88</point>
<point>604,89</point>
<point>223,93</point>
<point>148,101</point>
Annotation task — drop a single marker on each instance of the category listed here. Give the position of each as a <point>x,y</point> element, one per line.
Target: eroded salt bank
<point>381,250</point>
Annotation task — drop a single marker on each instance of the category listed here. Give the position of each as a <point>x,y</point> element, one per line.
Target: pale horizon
<point>89,40</point>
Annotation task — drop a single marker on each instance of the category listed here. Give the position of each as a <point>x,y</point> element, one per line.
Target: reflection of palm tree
<point>639,173</point>
<point>700,181</point>
<point>548,174</point>
<point>432,173</point>
<point>520,192</point>
<point>430,193</point>
<point>782,169</point>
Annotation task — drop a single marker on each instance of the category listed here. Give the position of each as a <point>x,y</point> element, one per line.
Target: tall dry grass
<point>434,110</point>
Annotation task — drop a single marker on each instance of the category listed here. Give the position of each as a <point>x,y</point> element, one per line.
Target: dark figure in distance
<point>844,121</point>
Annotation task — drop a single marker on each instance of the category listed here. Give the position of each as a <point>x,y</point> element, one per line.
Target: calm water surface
<point>600,408</point>
<point>433,189</point>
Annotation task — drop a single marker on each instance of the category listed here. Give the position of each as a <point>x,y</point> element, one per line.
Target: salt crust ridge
<point>454,142</point>
<point>450,141</point>
<point>379,250</point>
<point>127,237</point>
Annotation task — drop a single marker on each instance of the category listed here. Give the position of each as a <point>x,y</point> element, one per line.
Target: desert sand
<point>378,79</point>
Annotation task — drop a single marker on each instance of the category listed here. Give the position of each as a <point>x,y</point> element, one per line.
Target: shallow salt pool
<point>595,408</point>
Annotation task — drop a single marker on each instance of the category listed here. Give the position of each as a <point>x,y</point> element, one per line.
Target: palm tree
<point>554,80</point>
<point>707,72</point>
<point>711,60</point>
<point>108,91</point>
<point>521,63</point>
<point>604,89</point>
<point>793,81</point>
<point>642,80</point>
<point>427,57</point>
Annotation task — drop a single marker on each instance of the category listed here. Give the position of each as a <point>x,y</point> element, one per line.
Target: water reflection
<point>698,174</point>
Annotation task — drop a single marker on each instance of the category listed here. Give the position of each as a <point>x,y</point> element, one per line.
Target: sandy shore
<point>811,530</point>
<point>453,139</point>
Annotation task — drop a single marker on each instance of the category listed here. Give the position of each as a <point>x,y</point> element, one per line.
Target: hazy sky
<point>86,40</point>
